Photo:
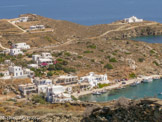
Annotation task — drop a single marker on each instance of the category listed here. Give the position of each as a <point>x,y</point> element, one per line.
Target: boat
<point>103,91</point>
<point>147,80</point>
<point>160,93</point>
<point>135,83</point>
<point>96,93</point>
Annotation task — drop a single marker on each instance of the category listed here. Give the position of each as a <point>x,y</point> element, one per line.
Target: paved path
<point>24,31</point>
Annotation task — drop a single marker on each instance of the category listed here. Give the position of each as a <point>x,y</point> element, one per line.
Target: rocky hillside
<point>105,48</point>
<point>121,110</point>
<point>147,110</point>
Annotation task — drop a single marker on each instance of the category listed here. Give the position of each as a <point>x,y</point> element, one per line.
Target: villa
<point>67,79</point>
<point>36,27</point>
<point>56,94</point>
<point>46,55</point>
<point>23,46</point>
<point>133,19</point>
<point>33,66</point>
<point>35,58</point>
<point>23,19</point>
<point>14,52</point>
<point>94,79</point>
<point>38,81</point>
<point>16,71</point>
<point>45,61</point>
<point>28,72</point>
<point>27,89</point>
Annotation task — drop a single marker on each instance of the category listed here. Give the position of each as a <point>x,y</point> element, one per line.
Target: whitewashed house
<point>40,26</point>
<point>14,52</point>
<point>45,61</point>
<point>23,46</point>
<point>133,19</point>
<point>95,79</point>
<point>5,73</point>
<point>16,71</point>
<point>33,66</point>
<point>35,58</point>
<point>56,94</point>
<point>67,79</point>
<point>8,62</point>
<point>42,89</point>
<point>27,89</point>
<point>36,27</point>
<point>46,55</point>
<point>28,72</point>
<point>23,19</point>
<point>38,81</point>
<point>6,51</point>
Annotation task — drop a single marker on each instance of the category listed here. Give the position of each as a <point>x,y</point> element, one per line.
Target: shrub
<point>102,85</point>
<point>152,51</point>
<point>132,75</point>
<point>141,59</point>
<point>92,46</point>
<point>67,54</point>
<point>88,51</point>
<point>50,74</point>
<point>69,69</point>
<point>39,99</point>
<point>112,60</point>
<point>108,66</point>
<point>156,63</point>
<point>80,57</point>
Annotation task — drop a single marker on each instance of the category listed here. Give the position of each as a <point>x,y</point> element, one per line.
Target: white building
<point>46,55</point>
<point>23,19</point>
<point>28,72</point>
<point>40,26</point>
<point>5,73</point>
<point>67,79</point>
<point>95,79</point>
<point>21,46</point>
<point>33,66</point>
<point>45,61</point>
<point>15,52</point>
<point>39,81</point>
<point>133,19</point>
<point>27,89</point>
<point>16,71</point>
<point>35,58</point>
<point>6,51</point>
<point>36,27</point>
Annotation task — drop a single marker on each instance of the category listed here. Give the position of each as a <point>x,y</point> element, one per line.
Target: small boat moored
<point>96,93</point>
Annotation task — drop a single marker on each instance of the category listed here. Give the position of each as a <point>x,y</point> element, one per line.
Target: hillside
<point>121,110</point>
<point>105,48</point>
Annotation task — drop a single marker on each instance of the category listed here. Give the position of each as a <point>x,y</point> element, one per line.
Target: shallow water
<point>140,91</point>
<point>149,39</point>
<point>86,12</point>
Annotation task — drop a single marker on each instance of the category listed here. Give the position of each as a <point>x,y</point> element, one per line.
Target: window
<point>20,73</point>
<point>16,74</point>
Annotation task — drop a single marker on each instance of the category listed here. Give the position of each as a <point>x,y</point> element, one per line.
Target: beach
<point>114,86</point>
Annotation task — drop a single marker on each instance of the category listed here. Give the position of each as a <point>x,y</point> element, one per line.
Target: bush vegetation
<point>108,66</point>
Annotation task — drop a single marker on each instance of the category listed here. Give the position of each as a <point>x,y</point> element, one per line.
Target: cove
<point>140,91</point>
<point>149,39</point>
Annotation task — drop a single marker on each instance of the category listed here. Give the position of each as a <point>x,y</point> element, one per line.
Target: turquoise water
<point>140,91</point>
<point>149,39</point>
<point>86,12</point>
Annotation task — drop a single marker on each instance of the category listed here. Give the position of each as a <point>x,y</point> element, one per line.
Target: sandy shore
<point>113,86</point>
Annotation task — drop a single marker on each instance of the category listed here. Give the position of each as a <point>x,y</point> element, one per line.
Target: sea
<point>85,12</point>
<point>143,90</point>
<point>92,12</point>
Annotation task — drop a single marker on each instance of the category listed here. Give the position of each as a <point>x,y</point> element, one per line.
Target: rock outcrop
<point>124,110</point>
